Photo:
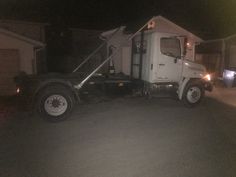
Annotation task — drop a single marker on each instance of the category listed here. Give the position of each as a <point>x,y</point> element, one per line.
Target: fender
<point>50,82</point>
<point>182,85</point>
<point>184,82</point>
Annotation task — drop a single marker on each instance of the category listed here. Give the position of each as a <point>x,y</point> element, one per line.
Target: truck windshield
<point>170,47</point>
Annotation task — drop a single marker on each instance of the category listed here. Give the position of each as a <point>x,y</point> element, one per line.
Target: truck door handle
<point>161,64</point>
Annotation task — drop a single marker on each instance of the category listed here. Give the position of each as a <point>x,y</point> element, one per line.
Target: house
<point>32,30</point>
<point>83,43</point>
<point>122,61</point>
<point>218,54</point>
<point>17,53</point>
<point>68,47</point>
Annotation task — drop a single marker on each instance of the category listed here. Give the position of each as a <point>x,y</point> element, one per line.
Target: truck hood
<point>192,69</point>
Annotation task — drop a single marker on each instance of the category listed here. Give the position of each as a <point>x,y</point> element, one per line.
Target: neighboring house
<point>67,48</point>
<point>84,42</point>
<point>122,61</point>
<point>32,30</point>
<point>17,53</point>
<point>218,54</point>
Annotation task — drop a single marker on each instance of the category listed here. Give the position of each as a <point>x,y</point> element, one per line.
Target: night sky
<point>207,18</point>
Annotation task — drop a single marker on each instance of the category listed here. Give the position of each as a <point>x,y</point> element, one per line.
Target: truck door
<point>169,62</point>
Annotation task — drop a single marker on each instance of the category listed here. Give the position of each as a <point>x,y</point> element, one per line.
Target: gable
<point>35,31</point>
<point>18,38</point>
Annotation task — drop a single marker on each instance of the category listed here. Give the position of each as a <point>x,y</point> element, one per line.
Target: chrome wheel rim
<point>194,94</point>
<point>55,105</point>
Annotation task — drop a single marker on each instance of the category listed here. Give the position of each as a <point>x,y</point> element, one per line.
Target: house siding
<point>26,52</point>
<point>9,68</point>
<point>220,53</point>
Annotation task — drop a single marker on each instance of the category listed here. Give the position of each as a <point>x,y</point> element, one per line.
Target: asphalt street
<point>123,137</point>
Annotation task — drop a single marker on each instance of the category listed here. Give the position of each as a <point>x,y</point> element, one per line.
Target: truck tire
<point>193,94</point>
<point>55,103</point>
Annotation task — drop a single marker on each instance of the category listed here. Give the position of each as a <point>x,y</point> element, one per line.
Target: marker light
<point>151,25</point>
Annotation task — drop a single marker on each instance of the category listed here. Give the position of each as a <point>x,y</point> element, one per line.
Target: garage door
<point>9,68</point>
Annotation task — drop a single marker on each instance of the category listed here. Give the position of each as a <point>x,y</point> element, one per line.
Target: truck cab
<point>159,60</point>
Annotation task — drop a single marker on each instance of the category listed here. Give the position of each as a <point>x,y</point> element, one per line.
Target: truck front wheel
<point>55,103</point>
<point>193,94</point>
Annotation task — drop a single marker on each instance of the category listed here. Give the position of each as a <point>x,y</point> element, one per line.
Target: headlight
<point>207,77</point>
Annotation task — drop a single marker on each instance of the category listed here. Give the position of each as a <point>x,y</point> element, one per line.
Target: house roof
<point>22,38</point>
<point>221,39</point>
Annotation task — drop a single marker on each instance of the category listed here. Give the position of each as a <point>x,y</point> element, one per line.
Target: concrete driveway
<point>125,137</point>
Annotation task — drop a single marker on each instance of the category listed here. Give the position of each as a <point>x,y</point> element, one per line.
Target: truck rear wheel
<point>193,94</point>
<point>55,103</point>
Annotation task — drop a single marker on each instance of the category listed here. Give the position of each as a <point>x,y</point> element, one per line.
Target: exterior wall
<point>26,52</point>
<point>212,62</point>
<point>41,62</point>
<point>33,31</point>
<point>232,56</point>
<point>219,53</point>
<point>230,52</point>
<point>9,68</point>
<point>84,42</point>
<point>211,56</point>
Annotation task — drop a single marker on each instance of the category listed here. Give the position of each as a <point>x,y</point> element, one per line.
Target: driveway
<point>125,137</point>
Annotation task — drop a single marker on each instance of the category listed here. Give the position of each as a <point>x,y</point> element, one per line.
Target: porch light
<point>18,90</point>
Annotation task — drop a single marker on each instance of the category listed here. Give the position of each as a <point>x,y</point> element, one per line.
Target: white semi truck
<point>164,65</point>
<point>157,64</point>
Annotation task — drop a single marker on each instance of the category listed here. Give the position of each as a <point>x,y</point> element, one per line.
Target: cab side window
<point>171,47</point>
